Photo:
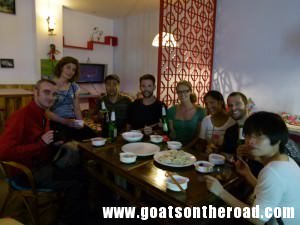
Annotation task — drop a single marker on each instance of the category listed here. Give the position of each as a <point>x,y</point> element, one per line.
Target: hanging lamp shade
<point>168,40</point>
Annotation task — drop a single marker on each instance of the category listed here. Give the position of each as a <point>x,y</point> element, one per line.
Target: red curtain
<point>192,23</point>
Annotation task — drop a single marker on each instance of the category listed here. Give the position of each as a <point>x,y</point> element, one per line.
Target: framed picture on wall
<point>7,63</point>
<point>8,6</point>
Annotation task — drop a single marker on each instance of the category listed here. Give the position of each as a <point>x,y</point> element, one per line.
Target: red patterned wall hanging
<point>192,23</point>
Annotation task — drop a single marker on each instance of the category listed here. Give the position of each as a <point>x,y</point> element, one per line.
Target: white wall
<point>257,51</point>
<point>78,28</point>
<point>135,54</point>
<point>17,41</point>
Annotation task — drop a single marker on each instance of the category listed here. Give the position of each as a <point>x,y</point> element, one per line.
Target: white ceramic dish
<point>99,141</point>
<point>156,138</point>
<point>216,159</point>
<point>204,166</point>
<point>174,158</point>
<point>141,148</point>
<point>183,181</point>
<point>174,145</point>
<point>127,157</point>
<point>132,136</point>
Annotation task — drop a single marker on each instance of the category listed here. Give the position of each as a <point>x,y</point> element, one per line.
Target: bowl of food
<point>174,145</point>
<point>182,181</point>
<point>204,166</point>
<point>99,141</point>
<point>127,157</point>
<point>132,136</point>
<point>156,138</point>
<point>216,159</point>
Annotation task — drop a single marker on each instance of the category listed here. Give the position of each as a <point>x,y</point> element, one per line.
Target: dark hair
<point>217,96</point>
<point>147,77</point>
<point>38,83</point>
<point>269,124</point>
<point>243,97</point>
<point>112,77</point>
<point>66,60</point>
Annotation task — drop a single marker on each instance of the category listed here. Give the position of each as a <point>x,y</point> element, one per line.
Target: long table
<point>145,179</point>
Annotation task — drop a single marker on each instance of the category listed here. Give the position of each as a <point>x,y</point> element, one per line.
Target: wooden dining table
<point>146,179</point>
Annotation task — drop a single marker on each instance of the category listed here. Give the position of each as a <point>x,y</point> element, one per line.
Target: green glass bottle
<point>105,119</point>
<point>241,139</point>
<point>164,119</point>
<point>112,128</point>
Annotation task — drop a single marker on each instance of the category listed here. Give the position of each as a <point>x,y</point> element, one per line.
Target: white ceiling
<point>112,8</point>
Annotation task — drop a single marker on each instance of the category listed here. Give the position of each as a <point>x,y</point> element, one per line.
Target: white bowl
<point>156,138</point>
<point>99,141</point>
<point>80,123</point>
<point>127,157</point>
<point>132,136</point>
<point>216,159</point>
<point>174,145</point>
<point>183,181</point>
<point>204,166</point>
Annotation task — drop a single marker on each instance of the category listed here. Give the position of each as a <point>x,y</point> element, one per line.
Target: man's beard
<point>147,94</point>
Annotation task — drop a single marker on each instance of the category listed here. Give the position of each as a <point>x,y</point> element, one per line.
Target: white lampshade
<point>168,40</point>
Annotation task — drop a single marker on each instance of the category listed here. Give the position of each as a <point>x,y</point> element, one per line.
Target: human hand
<point>244,151</point>
<point>211,147</point>
<point>147,130</point>
<point>48,137</point>
<point>242,168</point>
<point>213,185</point>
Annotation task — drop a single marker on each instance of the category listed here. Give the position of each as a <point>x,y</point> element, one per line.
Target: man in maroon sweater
<point>28,140</point>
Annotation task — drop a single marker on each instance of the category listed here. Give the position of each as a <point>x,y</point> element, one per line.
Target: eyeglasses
<point>183,91</point>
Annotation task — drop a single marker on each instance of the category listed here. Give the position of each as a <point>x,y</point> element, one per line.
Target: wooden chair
<point>30,195</point>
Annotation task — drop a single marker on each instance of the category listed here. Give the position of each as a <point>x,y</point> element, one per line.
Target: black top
<point>141,115</point>
<point>120,107</point>
<point>231,138</point>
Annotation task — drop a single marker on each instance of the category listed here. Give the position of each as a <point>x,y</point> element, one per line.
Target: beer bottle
<point>105,119</point>
<point>112,128</point>
<point>164,120</point>
<point>241,139</point>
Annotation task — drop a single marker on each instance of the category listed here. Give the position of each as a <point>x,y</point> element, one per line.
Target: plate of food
<point>141,148</point>
<point>175,158</point>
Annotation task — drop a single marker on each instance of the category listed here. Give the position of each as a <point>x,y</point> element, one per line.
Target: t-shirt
<point>278,186</point>
<point>120,107</point>
<point>141,115</point>
<point>185,130</point>
<point>64,104</point>
<point>208,130</point>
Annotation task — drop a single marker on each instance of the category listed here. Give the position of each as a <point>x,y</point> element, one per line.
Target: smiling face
<point>237,108</point>
<point>45,95</point>
<point>147,88</point>
<point>183,93</point>
<point>213,106</point>
<point>68,71</point>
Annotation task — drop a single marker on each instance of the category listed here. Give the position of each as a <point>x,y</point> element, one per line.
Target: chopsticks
<point>175,181</point>
<point>138,165</point>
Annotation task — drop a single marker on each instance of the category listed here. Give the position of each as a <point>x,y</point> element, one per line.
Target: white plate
<point>141,148</point>
<point>189,158</point>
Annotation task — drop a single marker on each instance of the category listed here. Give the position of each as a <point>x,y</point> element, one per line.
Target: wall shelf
<point>108,40</point>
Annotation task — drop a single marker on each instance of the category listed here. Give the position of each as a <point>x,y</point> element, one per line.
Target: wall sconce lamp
<point>51,26</point>
<point>168,40</point>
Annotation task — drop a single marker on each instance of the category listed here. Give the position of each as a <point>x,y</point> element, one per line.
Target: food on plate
<point>175,157</point>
